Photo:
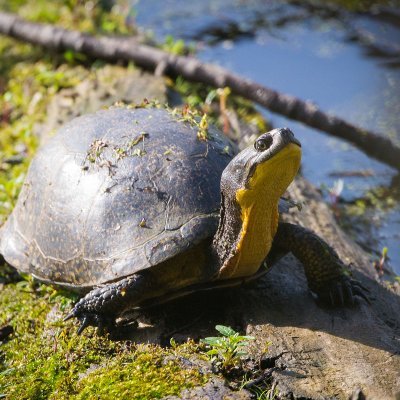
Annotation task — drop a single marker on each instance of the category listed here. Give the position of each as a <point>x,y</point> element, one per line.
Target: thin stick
<point>128,49</point>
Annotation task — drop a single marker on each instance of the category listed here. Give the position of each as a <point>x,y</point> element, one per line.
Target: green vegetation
<point>359,5</point>
<point>216,102</point>
<point>45,358</point>
<point>377,198</point>
<point>177,47</point>
<point>360,217</point>
<point>230,357</point>
<point>226,351</point>
<point>262,393</point>
<point>95,17</point>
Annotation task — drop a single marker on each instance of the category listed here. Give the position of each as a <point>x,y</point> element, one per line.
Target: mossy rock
<point>101,88</point>
<point>45,359</point>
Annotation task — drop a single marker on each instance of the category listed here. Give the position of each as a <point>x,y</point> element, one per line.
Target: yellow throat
<point>259,211</point>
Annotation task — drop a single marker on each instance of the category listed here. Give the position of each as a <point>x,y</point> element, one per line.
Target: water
<point>301,52</point>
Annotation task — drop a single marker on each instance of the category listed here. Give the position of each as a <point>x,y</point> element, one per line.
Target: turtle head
<point>251,186</point>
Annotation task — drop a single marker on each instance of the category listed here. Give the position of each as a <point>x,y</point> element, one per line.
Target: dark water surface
<point>347,64</point>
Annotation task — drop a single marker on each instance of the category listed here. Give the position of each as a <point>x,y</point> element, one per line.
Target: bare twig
<point>151,58</point>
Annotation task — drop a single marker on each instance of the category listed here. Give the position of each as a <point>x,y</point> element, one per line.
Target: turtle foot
<point>102,306</point>
<point>342,292</point>
<point>105,324</point>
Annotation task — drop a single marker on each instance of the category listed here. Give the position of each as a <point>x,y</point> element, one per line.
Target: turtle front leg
<point>102,306</point>
<point>325,272</point>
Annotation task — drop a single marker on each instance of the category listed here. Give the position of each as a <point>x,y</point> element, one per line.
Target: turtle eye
<point>263,142</point>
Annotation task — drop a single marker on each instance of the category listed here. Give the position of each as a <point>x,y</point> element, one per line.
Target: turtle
<point>133,205</point>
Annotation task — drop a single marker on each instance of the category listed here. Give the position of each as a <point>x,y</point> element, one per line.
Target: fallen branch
<point>147,57</point>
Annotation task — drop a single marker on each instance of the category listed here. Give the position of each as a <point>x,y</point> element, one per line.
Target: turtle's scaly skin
<point>325,272</point>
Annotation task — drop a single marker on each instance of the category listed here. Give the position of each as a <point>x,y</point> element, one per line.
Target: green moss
<point>87,16</point>
<point>209,101</point>
<point>145,374</point>
<point>46,359</point>
<point>360,5</point>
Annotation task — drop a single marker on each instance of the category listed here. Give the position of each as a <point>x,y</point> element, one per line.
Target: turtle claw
<point>360,290</point>
<point>103,323</point>
<point>342,293</point>
<point>69,316</point>
<point>98,320</point>
<point>85,323</point>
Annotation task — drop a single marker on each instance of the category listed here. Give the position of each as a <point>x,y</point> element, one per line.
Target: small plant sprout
<point>223,96</point>
<point>380,265</point>
<point>267,345</point>
<point>335,193</point>
<point>226,351</point>
<point>202,133</point>
<point>336,190</point>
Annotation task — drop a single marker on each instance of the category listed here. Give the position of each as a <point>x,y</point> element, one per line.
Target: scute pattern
<point>113,193</point>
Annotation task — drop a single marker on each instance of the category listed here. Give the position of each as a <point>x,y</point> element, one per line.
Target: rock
<point>214,389</point>
<point>102,88</point>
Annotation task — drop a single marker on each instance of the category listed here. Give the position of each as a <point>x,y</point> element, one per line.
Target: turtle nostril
<point>288,136</point>
<point>287,131</point>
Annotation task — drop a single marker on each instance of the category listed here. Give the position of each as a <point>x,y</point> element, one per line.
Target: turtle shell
<point>114,193</point>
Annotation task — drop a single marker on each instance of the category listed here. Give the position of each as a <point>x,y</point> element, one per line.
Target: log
<point>128,49</point>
